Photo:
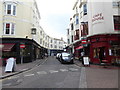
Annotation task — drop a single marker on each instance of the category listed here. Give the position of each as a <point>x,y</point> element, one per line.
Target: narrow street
<point>50,74</point>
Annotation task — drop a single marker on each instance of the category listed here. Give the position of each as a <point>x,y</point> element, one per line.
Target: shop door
<point>102,54</point>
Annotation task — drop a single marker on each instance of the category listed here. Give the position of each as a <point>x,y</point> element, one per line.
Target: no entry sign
<point>22,46</point>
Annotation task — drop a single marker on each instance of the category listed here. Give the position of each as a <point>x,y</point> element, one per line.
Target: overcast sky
<point>55,16</point>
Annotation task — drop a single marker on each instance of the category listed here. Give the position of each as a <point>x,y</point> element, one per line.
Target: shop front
<point>81,50</point>
<point>24,50</point>
<point>105,47</point>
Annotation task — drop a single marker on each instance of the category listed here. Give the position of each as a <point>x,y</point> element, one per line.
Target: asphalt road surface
<point>50,74</point>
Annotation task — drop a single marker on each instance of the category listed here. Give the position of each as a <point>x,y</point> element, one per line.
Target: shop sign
<point>97,17</point>
<point>22,46</point>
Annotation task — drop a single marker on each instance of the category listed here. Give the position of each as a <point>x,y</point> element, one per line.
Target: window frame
<point>11,29</point>
<point>12,11</point>
<point>116,23</point>
<point>85,9</point>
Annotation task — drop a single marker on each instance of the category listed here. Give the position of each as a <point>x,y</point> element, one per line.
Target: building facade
<point>56,46</point>
<point>97,30</point>
<point>21,34</point>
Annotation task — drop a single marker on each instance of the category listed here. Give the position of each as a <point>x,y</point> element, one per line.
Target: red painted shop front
<point>105,47</point>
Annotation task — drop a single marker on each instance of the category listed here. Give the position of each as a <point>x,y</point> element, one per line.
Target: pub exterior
<point>96,31</point>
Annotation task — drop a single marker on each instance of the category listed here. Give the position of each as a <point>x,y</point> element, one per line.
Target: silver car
<point>66,58</point>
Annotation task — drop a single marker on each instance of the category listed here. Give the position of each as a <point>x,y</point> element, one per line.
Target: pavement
<point>101,77</point>
<point>96,76</point>
<point>20,68</point>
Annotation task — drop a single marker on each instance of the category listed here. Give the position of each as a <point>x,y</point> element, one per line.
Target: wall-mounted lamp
<point>33,31</point>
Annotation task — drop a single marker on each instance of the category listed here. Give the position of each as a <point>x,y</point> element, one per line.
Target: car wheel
<point>72,62</point>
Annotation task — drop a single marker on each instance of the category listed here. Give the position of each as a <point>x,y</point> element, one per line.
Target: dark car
<point>66,58</point>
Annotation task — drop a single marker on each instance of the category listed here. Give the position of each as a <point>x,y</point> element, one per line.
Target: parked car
<point>58,55</point>
<point>66,58</point>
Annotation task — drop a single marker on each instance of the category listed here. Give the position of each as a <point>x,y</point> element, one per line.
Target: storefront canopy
<point>80,47</point>
<point>6,47</point>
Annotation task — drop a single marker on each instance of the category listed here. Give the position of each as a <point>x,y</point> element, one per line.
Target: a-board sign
<point>10,66</point>
<point>86,60</point>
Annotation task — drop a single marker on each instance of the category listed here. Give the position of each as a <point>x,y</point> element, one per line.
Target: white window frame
<point>12,10</point>
<point>10,32</point>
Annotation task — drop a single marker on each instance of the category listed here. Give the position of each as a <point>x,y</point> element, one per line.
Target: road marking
<point>53,71</point>
<point>77,66</point>
<point>73,69</point>
<point>27,75</point>
<point>7,84</point>
<point>24,69</point>
<point>83,82</point>
<point>42,72</point>
<point>20,80</point>
<point>13,77</point>
<point>63,70</point>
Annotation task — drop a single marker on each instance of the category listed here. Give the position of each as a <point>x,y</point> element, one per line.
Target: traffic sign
<point>22,46</point>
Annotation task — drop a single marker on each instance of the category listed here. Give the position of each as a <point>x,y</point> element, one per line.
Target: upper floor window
<point>117,23</point>
<point>72,26</point>
<point>85,9</point>
<point>68,31</point>
<point>68,41</point>
<point>10,9</point>
<point>77,20</point>
<point>9,28</point>
<point>72,38</point>
<point>116,4</point>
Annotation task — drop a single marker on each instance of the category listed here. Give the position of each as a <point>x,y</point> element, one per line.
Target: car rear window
<point>65,54</point>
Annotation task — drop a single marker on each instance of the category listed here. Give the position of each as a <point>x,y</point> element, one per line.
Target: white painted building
<point>20,27</point>
<point>97,30</point>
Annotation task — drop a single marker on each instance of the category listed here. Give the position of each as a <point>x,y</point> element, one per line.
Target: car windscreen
<point>65,54</point>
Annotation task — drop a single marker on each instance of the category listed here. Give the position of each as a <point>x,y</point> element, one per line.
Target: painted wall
<point>100,17</point>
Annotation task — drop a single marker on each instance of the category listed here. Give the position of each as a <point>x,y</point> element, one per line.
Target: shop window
<point>117,23</point>
<point>114,51</point>
<point>10,9</point>
<point>9,28</point>
<point>26,51</point>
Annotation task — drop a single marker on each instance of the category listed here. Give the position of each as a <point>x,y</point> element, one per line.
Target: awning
<point>80,47</point>
<point>6,47</point>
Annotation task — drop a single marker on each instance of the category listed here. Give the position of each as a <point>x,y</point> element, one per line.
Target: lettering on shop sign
<point>97,17</point>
